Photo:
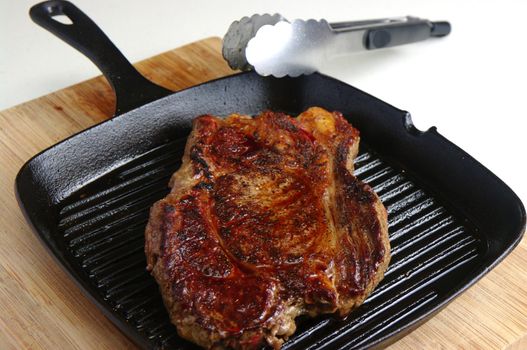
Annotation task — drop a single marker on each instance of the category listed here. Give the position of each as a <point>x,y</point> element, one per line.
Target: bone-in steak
<point>265,222</point>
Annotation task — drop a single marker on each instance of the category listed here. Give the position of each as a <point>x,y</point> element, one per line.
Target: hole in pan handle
<point>132,90</point>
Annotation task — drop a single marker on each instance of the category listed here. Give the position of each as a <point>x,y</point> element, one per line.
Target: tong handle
<point>394,34</point>
<point>440,29</point>
<point>387,32</point>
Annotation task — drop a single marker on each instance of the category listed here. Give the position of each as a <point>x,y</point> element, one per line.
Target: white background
<point>471,84</point>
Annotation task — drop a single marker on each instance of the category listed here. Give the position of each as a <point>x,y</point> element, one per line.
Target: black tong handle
<point>394,34</point>
<point>131,88</point>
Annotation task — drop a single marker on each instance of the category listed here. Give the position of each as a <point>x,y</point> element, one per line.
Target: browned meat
<point>265,222</point>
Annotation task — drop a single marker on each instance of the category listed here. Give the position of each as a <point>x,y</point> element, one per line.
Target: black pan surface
<point>450,219</point>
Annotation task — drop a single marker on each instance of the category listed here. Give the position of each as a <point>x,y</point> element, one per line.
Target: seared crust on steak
<point>265,221</point>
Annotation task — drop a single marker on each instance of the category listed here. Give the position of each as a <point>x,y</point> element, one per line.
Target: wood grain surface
<point>42,308</point>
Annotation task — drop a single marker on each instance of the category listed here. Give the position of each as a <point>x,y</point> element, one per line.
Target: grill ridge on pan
<point>103,231</point>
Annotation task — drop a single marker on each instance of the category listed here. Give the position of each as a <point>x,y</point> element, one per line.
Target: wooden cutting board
<point>42,308</point>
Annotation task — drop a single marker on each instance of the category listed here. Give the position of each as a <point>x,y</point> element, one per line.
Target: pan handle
<point>131,88</point>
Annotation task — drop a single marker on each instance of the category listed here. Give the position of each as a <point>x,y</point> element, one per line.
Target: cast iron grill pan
<point>88,197</point>
<point>102,229</point>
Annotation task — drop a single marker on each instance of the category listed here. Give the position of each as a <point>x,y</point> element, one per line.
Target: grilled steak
<point>265,222</point>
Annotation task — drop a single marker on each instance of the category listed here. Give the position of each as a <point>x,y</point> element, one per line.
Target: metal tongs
<point>272,45</point>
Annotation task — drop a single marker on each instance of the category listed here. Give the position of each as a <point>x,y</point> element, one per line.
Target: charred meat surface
<point>265,221</point>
